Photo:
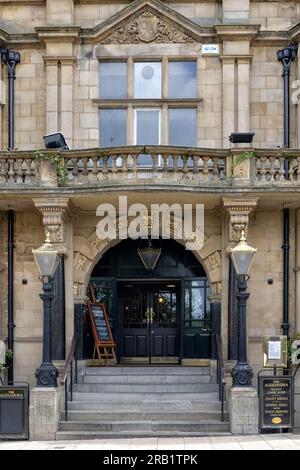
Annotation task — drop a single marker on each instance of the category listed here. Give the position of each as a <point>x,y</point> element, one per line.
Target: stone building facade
<point>238,88</point>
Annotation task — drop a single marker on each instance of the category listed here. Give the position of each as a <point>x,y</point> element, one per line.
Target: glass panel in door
<point>147,131</point>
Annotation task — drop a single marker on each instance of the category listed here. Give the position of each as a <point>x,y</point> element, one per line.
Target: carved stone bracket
<point>55,214</point>
<point>238,212</point>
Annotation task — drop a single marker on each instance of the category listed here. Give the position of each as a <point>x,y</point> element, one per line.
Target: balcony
<point>152,165</point>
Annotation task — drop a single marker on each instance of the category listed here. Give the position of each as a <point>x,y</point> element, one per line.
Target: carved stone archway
<point>88,252</point>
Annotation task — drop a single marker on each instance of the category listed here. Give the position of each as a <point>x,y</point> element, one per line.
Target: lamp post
<point>242,257</point>
<point>46,258</point>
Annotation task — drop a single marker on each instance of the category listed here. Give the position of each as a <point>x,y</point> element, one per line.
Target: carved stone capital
<point>238,212</point>
<point>55,213</point>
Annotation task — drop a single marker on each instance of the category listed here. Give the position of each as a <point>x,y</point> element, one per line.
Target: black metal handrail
<point>69,368</point>
<point>221,377</point>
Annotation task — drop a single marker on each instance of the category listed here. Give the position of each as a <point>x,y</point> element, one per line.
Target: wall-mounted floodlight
<point>55,141</point>
<point>241,137</point>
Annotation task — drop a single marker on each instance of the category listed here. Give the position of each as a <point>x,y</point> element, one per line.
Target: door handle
<point>147,315</point>
<point>151,315</point>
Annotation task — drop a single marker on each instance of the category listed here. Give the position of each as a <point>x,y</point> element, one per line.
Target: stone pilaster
<point>235,11</point>
<point>238,212</point>
<point>235,59</point>
<point>243,78</point>
<point>52,111</point>
<point>228,66</point>
<point>60,12</point>
<point>59,61</point>
<point>66,93</point>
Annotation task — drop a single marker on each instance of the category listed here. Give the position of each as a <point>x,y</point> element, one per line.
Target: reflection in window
<point>196,304</point>
<point>102,291</point>
<point>113,127</point>
<point>113,80</point>
<point>182,80</point>
<point>182,126</point>
<point>147,80</point>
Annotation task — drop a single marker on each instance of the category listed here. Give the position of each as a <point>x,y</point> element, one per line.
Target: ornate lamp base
<point>242,375</point>
<point>46,375</point>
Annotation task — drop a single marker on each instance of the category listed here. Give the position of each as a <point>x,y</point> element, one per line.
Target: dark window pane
<point>182,80</point>
<point>113,127</point>
<point>113,80</point>
<point>182,127</point>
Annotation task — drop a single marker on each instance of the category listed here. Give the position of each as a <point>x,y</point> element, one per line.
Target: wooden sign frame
<point>94,327</point>
<point>104,348</point>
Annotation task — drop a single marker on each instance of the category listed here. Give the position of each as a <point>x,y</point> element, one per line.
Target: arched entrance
<point>158,316</point>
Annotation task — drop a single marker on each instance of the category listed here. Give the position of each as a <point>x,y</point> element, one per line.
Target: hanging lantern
<point>149,256</point>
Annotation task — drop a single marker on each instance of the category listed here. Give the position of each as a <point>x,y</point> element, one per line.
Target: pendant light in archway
<point>149,256</point>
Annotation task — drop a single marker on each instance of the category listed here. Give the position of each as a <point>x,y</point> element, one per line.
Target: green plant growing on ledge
<point>243,156</point>
<point>8,356</point>
<point>58,160</point>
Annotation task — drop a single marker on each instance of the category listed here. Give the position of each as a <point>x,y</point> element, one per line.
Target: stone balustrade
<point>153,164</point>
<point>172,164</point>
<point>18,168</point>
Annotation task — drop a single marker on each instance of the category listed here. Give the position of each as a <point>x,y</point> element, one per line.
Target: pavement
<point>257,442</point>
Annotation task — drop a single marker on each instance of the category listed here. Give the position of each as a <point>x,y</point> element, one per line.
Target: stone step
<point>146,388</point>
<point>145,415</point>
<point>146,379</point>
<point>142,406</point>
<point>143,396</point>
<point>148,370</point>
<point>87,435</point>
<point>149,426</point>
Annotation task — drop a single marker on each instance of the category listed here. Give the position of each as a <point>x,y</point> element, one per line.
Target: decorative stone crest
<point>147,27</point>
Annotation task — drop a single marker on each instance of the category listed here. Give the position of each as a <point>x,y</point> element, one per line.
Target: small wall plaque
<point>275,351</point>
<point>210,49</point>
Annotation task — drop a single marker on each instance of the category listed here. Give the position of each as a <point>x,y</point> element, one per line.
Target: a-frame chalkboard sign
<point>104,344</point>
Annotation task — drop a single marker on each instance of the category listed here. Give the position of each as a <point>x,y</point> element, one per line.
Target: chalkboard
<point>100,324</point>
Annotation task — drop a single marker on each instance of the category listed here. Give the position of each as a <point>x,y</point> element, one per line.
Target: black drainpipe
<point>286,56</point>
<point>11,59</point>
<point>10,292</point>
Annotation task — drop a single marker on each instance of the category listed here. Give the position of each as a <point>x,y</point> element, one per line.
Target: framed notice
<point>275,351</point>
<point>276,408</point>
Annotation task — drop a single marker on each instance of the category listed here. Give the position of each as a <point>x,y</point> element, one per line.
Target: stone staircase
<point>136,401</point>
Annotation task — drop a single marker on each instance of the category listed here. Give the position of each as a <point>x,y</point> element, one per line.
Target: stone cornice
<point>294,32</point>
<point>58,34</point>
<point>54,60</point>
<point>242,58</point>
<point>4,37</point>
<point>237,32</point>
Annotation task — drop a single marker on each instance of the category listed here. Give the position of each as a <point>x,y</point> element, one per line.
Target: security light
<point>55,141</point>
<point>241,137</point>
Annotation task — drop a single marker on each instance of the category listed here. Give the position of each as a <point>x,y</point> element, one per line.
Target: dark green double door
<point>149,318</point>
